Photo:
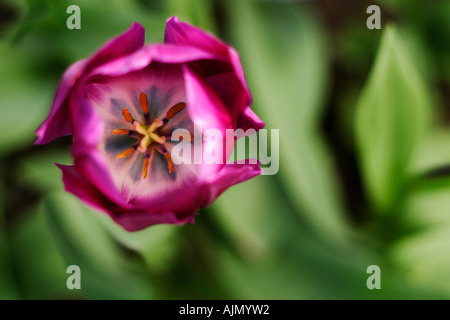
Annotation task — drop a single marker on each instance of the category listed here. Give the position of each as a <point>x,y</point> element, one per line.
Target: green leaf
<point>156,244</point>
<point>39,269</point>
<point>392,114</point>
<point>7,282</point>
<point>428,205</point>
<point>279,258</point>
<point>198,13</point>
<point>286,67</point>
<point>38,171</point>
<point>108,270</point>
<point>424,258</point>
<point>433,152</point>
<point>24,100</point>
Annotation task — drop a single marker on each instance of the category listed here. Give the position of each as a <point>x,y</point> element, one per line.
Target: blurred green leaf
<point>39,268</point>
<point>108,270</point>
<point>392,114</point>
<point>281,259</point>
<point>287,75</point>
<point>433,152</point>
<point>428,205</point>
<point>8,288</point>
<point>424,258</point>
<point>198,12</point>
<point>39,172</point>
<point>24,100</point>
<point>156,244</point>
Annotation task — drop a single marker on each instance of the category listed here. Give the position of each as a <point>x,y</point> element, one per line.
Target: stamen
<point>173,111</point>
<point>145,168</point>
<point>148,132</point>
<point>120,131</point>
<point>126,153</point>
<point>143,102</point>
<point>169,162</point>
<point>127,115</point>
<point>190,137</point>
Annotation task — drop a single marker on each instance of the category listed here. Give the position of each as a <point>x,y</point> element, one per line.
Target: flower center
<point>148,135</point>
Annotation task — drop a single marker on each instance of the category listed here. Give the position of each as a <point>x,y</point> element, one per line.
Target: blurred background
<point>364,179</point>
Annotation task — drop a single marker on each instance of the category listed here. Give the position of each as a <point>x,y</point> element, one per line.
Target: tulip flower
<point>122,106</point>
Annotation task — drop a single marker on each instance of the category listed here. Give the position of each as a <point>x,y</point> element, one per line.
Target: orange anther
<point>125,154</point>
<point>173,111</point>
<point>190,137</point>
<point>143,102</point>
<point>169,162</point>
<point>120,131</point>
<point>145,168</point>
<point>127,115</point>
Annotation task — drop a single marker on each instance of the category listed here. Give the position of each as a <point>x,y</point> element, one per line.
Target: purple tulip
<point>121,107</point>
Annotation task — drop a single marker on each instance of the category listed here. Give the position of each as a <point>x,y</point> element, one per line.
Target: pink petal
<point>93,167</point>
<point>57,123</point>
<point>135,221</point>
<point>76,184</point>
<point>182,33</point>
<point>206,107</point>
<point>231,174</point>
<point>127,43</point>
<point>163,53</point>
<point>229,89</point>
<point>203,102</point>
<point>162,83</point>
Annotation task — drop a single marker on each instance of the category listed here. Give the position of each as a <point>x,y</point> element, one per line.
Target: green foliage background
<point>364,145</point>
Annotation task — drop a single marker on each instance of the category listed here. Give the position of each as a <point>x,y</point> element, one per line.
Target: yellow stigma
<point>149,134</point>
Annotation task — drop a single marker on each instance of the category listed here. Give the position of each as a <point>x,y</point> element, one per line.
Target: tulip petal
<point>93,167</point>
<point>168,54</point>
<point>228,87</point>
<point>163,85</point>
<point>127,43</point>
<point>231,174</point>
<point>135,221</point>
<point>206,108</point>
<point>76,184</point>
<point>204,103</point>
<point>58,123</point>
<point>182,33</point>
